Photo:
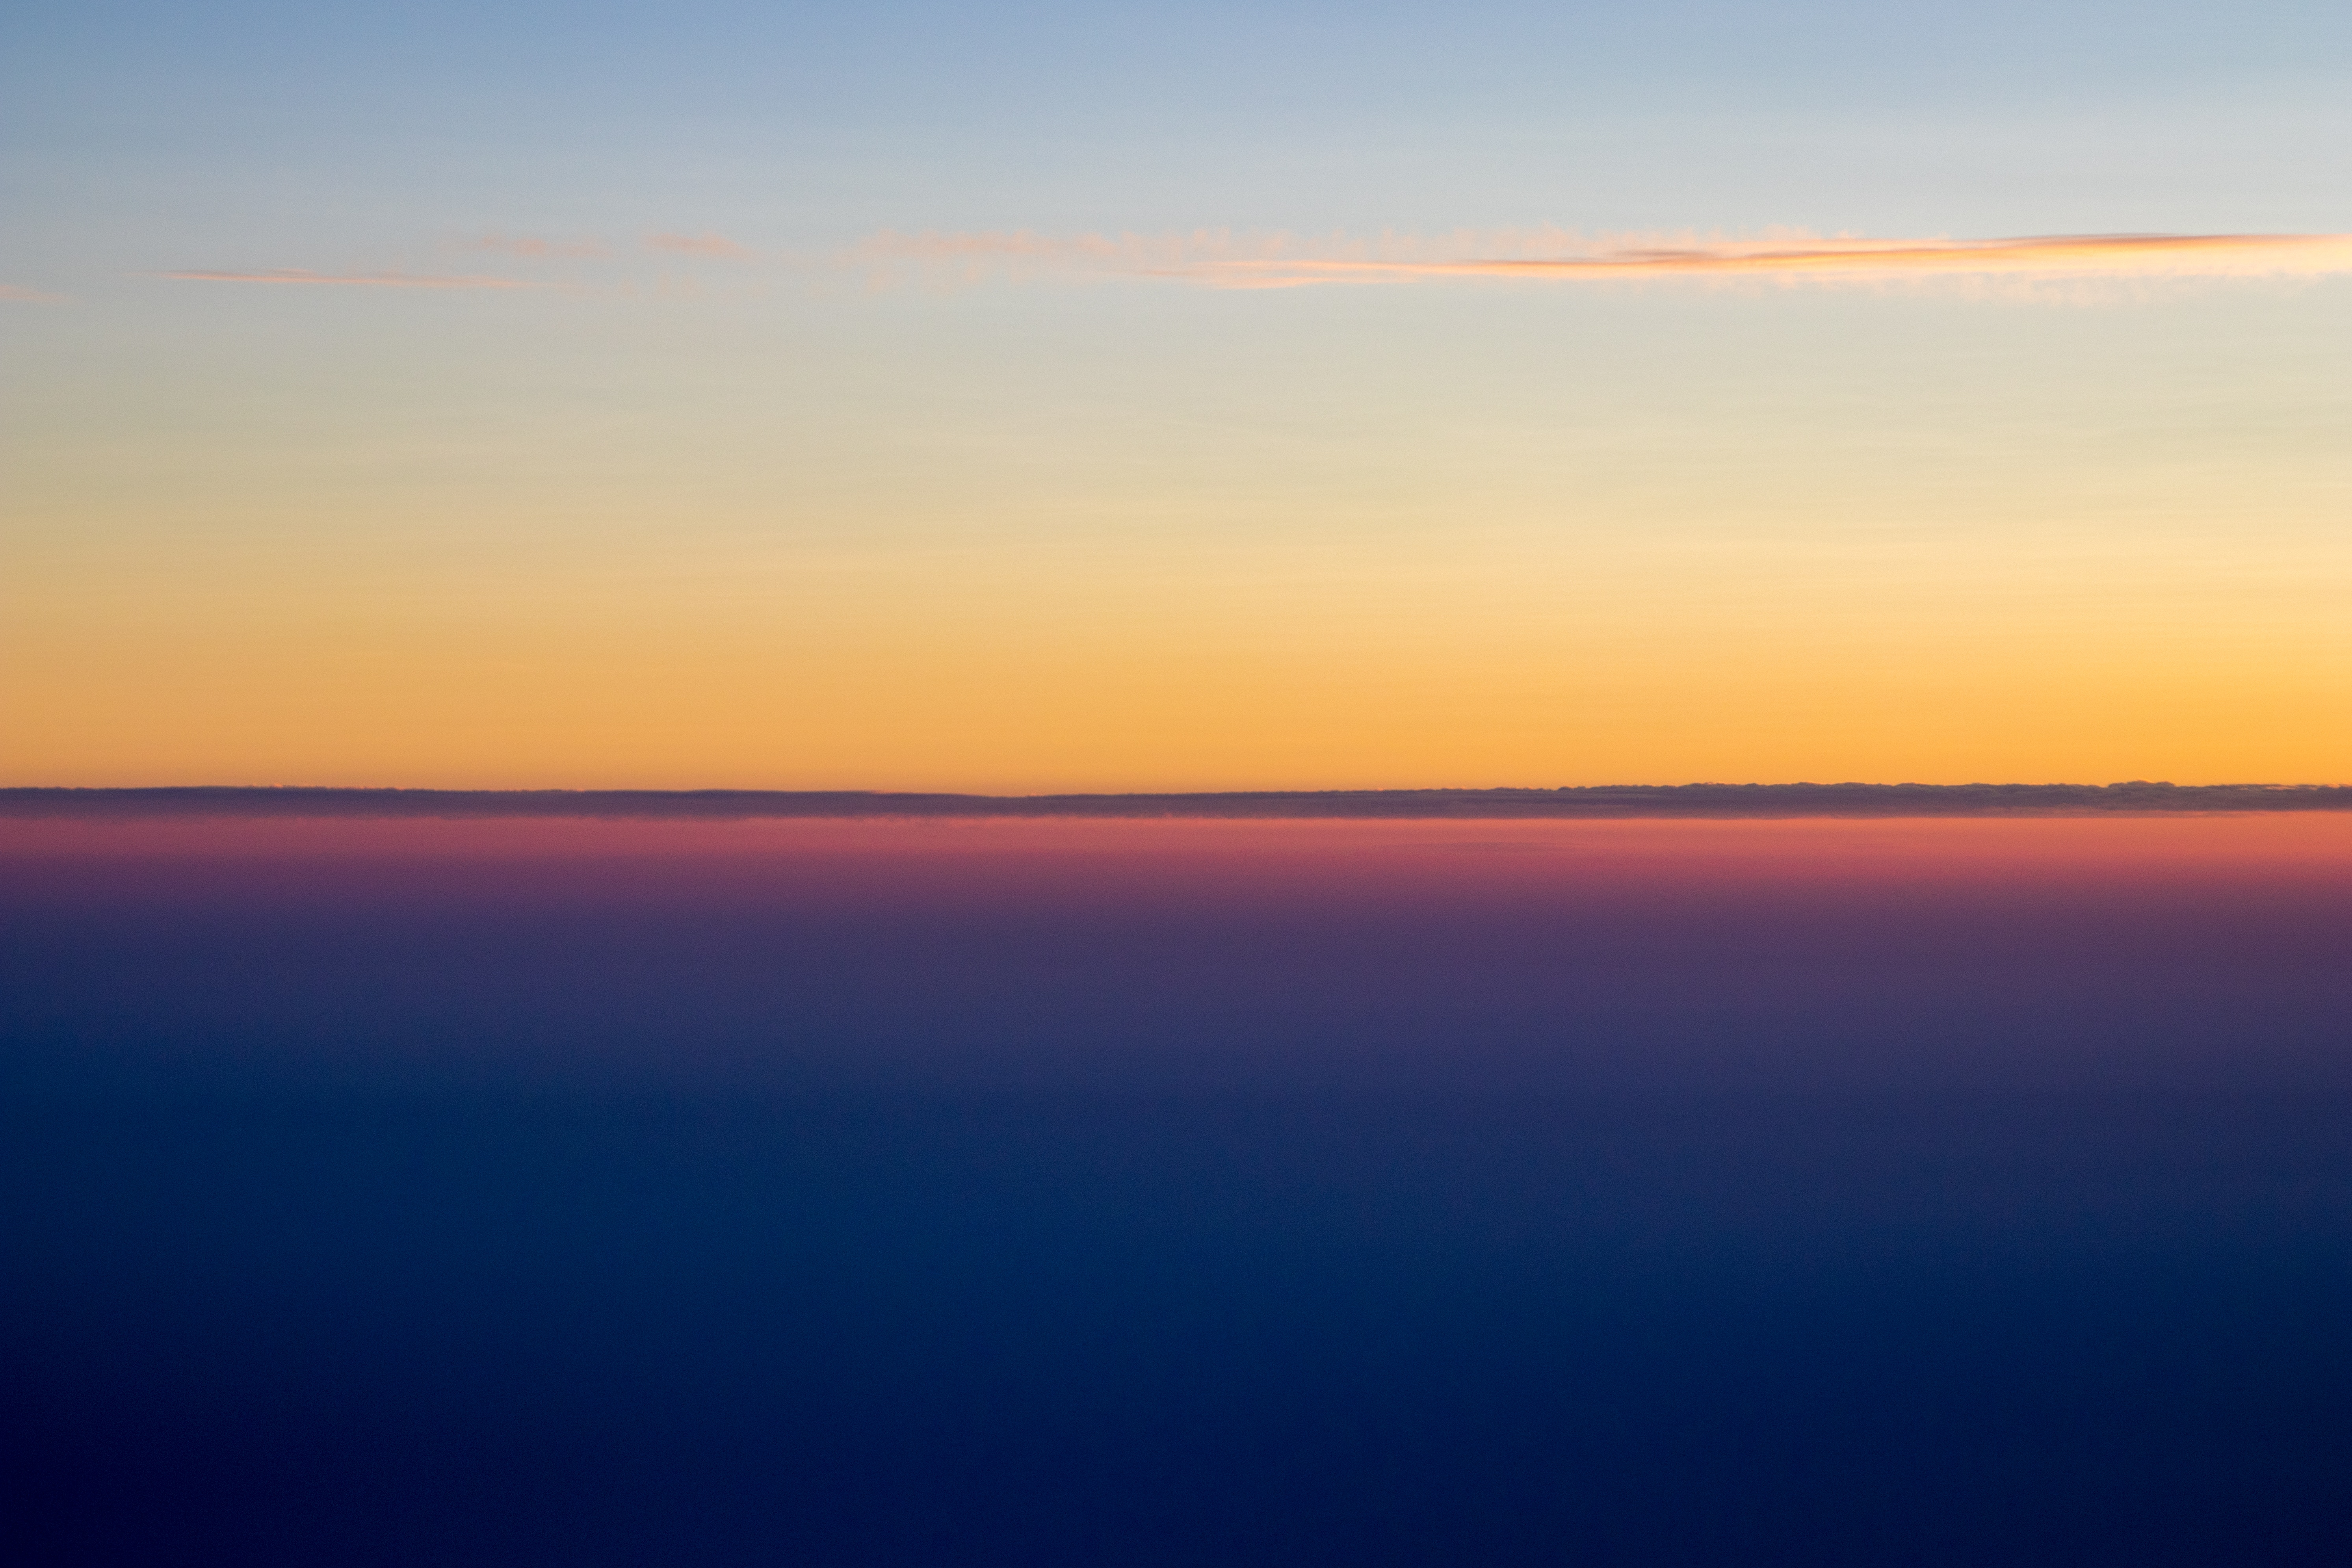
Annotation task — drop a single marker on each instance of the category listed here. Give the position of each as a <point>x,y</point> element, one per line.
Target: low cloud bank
<point>1696,800</point>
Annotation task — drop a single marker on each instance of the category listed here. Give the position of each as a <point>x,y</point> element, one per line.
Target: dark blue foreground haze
<point>368,1217</point>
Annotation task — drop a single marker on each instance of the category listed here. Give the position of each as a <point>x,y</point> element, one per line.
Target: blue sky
<point>244,128</point>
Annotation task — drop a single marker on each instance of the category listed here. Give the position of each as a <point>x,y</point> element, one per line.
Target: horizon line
<point>2139,796</point>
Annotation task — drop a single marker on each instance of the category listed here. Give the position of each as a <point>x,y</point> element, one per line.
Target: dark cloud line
<point>1697,800</point>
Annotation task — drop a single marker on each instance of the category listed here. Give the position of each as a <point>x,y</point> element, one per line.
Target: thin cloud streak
<point>1550,255</point>
<point>697,244</point>
<point>1218,259</point>
<point>18,294</point>
<point>530,248</point>
<point>350,280</point>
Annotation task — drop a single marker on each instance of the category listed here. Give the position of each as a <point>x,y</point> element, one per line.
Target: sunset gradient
<point>1035,400</point>
<point>1015,783</point>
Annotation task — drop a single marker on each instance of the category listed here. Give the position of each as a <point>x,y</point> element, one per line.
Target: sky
<point>1048,397</point>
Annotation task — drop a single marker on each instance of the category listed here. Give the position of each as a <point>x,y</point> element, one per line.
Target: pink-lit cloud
<point>1279,261</point>
<point>17,294</point>
<point>350,280</point>
<point>531,247</point>
<point>697,244</point>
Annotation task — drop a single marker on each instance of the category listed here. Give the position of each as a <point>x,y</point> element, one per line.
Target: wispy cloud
<point>697,244</point>
<point>17,294</point>
<point>350,280</point>
<point>531,247</point>
<point>2056,266</point>
<point>1281,261</point>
